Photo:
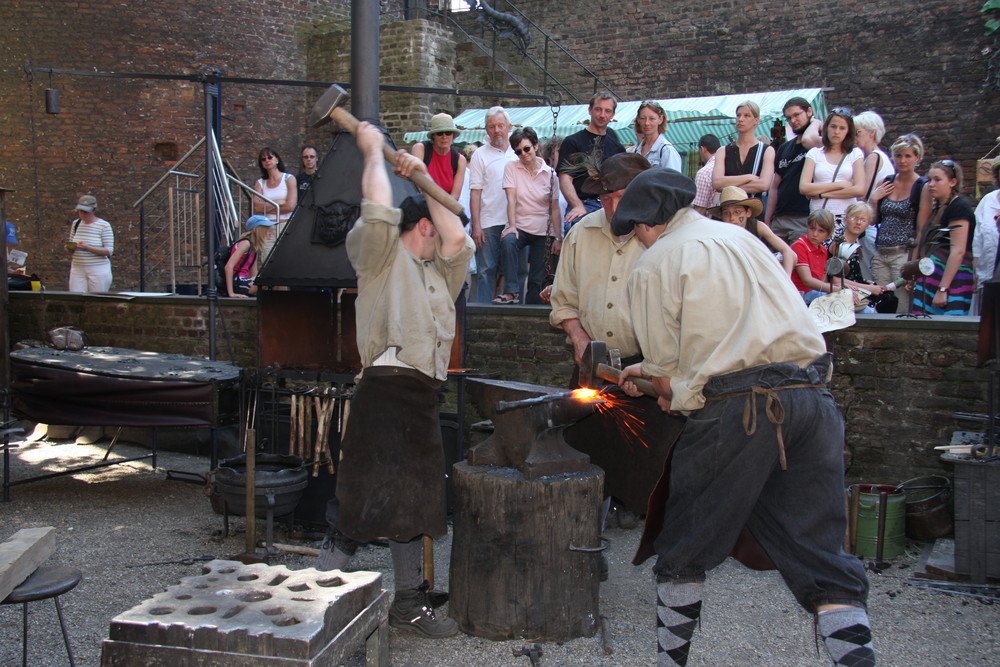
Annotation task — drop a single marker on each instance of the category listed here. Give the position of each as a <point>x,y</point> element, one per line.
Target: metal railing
<point>172,235</point>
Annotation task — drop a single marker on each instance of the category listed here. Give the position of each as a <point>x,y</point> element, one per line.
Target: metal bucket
<point>873,529</point>
<point>278,484</point>
<point>928,507</point>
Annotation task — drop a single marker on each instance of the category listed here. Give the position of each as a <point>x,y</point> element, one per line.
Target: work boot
<point>412,611</point>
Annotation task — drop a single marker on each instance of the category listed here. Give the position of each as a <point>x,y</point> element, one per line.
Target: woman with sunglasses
<point>445,165</point>
<point>531,187</point>
<point>650,125</point>
<point>833,175</point>
<point>279,187</point>
<point>949,290</point>
<point>902,205</point>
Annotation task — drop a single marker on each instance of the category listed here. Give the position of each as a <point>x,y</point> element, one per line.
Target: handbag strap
<point>871,186</point>
<point>835,172</point>
<point>760,156</point>
<point>553,195</point>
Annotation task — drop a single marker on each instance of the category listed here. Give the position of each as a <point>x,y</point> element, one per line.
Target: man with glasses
<point>488,202</point>
<point>310,163</point>
<point>787,208</point>
<point>589,303</point>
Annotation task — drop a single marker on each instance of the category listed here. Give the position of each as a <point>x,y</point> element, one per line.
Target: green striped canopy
<point>689,118</point>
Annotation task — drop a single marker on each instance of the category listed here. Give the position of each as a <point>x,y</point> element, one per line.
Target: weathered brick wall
<point>898,382</point>
<point>103,141</point>
<point>922,66</point>
<point>413,53</point>
<point>173,324</point>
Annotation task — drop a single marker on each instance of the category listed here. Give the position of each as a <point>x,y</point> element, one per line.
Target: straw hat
<point>733,195</point>
<point>442,122</point>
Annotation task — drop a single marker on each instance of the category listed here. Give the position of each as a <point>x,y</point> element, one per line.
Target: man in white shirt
<point>488,203</point>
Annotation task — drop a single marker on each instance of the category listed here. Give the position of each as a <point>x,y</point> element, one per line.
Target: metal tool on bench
<point>330,106</point>
<point>599,363</point>
<point>183,561</point>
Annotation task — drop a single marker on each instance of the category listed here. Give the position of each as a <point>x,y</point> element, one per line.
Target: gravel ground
<point>128,514</point>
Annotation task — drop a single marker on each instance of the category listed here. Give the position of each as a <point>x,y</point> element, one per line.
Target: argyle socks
<point>847,636</point>
<point>678,606</point>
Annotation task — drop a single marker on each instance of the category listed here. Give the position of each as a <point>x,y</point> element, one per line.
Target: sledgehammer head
<point>334,97</point>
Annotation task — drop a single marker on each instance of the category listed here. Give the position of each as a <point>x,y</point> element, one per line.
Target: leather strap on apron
<point>774,410</point>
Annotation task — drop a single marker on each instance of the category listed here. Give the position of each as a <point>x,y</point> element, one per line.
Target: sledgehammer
<point>330,106</point>
<point>598,363</point>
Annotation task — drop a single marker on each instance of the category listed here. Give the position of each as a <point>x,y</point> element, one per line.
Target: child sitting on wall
<point>809,276</point>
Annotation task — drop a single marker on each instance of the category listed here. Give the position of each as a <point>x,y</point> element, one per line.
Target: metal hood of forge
<point>311,251</point>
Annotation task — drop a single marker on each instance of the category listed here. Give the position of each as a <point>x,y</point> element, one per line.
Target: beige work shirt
<point>591,279</point>
<point>709,299</point>
<point>403,301</point>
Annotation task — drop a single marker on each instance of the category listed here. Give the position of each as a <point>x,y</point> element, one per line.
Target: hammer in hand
<point>330,106</point>
<point>598,363</point>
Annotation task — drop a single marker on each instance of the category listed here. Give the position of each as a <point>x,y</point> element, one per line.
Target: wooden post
<point>21,555</point>
<point>525,556</point>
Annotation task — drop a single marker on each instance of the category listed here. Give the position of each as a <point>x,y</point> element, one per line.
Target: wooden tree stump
<point>517,568</point>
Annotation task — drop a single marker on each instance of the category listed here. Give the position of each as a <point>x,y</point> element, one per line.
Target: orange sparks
<point>629,424</point>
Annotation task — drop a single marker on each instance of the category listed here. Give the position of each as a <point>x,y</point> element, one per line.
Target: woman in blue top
<point>650,124</point>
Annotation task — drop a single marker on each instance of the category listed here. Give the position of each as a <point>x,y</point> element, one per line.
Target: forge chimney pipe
<point>365,59</point>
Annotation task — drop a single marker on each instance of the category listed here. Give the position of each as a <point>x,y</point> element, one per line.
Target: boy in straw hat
<point>764,440</point>
<point>738,209</point>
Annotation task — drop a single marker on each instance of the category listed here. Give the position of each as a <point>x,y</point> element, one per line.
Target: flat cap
<point>652,198</point>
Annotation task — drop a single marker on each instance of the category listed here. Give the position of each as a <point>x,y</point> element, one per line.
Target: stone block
<point>269,615</point>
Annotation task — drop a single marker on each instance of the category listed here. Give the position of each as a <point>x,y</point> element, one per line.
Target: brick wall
<point>173,324</point>
<point>103,141</point>
<point>413,53</point>
<point>922,67</point>
<point>898,382</point>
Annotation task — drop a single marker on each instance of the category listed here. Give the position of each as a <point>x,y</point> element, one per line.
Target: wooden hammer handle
<point>612,374</point>
<point>346,120</point>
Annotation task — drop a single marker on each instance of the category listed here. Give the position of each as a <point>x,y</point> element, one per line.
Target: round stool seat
<point>45,582</point>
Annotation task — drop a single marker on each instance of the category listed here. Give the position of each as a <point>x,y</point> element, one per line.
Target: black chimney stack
<point>365,59</point>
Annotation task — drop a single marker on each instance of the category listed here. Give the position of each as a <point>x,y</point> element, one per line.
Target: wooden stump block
<point>525,556</point>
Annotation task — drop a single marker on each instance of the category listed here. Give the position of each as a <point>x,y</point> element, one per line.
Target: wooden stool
<point>45,582</point>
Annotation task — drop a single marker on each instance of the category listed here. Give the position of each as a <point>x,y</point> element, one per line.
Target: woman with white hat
<point>737,208</point>
<point>445,165</point>
<point>91,243</point>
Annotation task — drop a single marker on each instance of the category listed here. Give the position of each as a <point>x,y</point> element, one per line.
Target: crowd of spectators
<point>774,190</point>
